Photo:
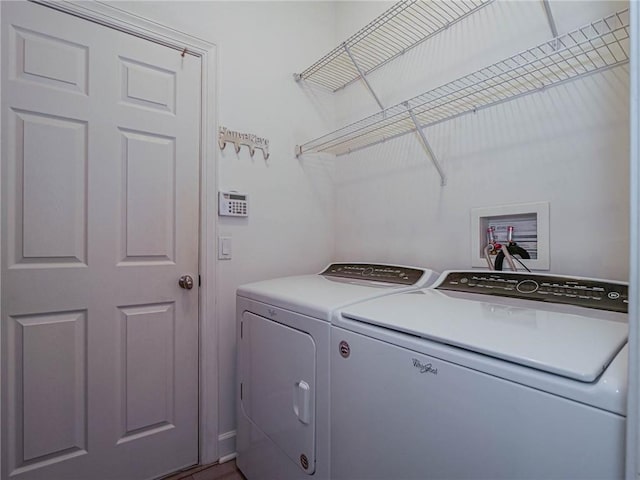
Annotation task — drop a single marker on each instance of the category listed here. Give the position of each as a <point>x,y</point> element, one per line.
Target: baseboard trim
<point>227,446</point>
<point>226,458</point>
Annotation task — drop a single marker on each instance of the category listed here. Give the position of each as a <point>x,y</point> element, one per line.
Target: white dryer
<point>483,375</point>
<point>283,363</point>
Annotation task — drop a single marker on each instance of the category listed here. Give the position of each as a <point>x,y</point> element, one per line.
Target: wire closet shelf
<point>596,47</point>
<point>400,28</point>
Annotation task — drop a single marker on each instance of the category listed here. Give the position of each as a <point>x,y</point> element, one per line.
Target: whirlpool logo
<point>424,368</point>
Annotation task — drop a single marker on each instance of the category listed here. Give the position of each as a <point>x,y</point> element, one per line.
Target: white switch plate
<point>224,248</point>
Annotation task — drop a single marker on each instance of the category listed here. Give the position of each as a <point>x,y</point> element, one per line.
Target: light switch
<point>224,248</point>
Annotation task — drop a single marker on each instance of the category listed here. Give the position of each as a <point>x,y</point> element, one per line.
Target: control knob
<point>527,286</point>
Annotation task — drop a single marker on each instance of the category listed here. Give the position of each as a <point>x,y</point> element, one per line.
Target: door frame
<point>633,401</point>
<point>117,19</point>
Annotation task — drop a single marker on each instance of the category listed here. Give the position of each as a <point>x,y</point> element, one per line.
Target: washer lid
<point>578,345</point>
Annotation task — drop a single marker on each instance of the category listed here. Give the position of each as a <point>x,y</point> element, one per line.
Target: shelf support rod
<point>362,75</point>
<point>552,22</point>
<point>425,142</point>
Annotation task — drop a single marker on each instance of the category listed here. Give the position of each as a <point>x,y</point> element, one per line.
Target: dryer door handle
<point>301,401</point>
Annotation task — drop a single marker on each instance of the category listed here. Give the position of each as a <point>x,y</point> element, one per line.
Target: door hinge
<point>199,280</point>
<point>241,329</point>
<point>241,391</point>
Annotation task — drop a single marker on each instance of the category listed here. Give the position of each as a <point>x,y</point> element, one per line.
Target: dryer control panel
<point>374,272</point>
<point>582,292</point>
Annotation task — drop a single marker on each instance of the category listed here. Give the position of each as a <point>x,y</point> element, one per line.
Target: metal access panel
<point>277,370</point>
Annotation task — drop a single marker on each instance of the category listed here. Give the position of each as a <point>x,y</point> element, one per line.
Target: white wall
<point>289,230</point>
<point>567,145</point>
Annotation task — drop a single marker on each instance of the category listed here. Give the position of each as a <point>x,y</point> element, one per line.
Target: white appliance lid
<point>568,344</point>
<point>317,295</point>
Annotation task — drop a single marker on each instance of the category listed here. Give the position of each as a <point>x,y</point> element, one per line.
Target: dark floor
<point>224,471</point>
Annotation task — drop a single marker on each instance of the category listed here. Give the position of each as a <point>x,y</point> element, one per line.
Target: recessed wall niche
<point>530,222</point>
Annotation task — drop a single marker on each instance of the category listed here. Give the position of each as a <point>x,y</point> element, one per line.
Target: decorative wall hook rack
<point>238,139</point>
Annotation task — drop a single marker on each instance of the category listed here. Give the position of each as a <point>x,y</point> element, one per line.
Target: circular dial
<point>527,286</point>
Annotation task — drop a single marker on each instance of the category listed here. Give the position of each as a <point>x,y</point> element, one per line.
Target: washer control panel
<point>546,288</point>
<point>379,273</point>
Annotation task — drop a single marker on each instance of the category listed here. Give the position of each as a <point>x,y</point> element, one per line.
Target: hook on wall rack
<point>238,139</point>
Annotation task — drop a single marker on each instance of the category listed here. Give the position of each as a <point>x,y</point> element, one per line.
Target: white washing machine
<point>283,363</point>
<point>483,375</point>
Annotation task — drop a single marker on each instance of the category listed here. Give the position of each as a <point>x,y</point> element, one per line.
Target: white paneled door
<point>100,176</point>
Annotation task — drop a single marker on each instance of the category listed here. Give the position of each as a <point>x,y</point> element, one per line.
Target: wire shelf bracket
<point>425,142</point>
<point>550,19</point>
<point>362,74</point>
<point>596,47</point>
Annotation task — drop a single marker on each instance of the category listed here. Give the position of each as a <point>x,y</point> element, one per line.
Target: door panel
<point>149,220</point>
<point>49,403</point>
<point>32,56</point>
<point>52,191</point>
<point>100,172</point>
<point>148,86</point>
<point>147,369</point>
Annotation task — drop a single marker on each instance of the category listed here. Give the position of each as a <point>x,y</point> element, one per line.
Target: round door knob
<point>186,281</point>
